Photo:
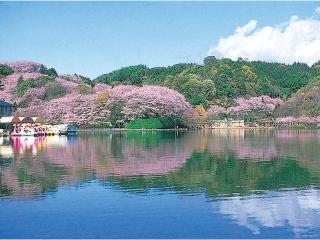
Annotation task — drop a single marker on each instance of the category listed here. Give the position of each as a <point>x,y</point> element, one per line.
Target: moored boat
<point>51,130</point>
<point>22,130</point>
<point>71,129</point>
<point>62,128</point>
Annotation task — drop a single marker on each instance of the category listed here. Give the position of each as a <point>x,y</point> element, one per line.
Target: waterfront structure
<point>6,108</point>
<point>227,123</point>
<point>10,120</point>
<point>20,120</point>
<point>32,126</point>
<point>7,122</point>
<point>223,124</point>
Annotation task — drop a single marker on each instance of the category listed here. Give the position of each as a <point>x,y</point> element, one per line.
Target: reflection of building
<point>5,149</point>
<point>56,140</point>
<point>5,108</point>
<point>228,133</point>
<point>21,144</point>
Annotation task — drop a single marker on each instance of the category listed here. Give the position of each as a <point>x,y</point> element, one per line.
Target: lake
<point>162,184</point>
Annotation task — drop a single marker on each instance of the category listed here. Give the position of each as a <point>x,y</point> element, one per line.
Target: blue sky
<point>92,38</point>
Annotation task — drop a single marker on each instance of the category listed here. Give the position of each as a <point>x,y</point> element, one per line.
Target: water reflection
<point>298,209</point>
<point>217,162</point>
<point>256,178</point>
<point>56,160</point>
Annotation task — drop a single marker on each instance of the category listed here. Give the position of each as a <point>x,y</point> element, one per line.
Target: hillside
<point>219,81</point>
<point>305,102</point>
<point>183,93</point>
<point>38,91</point>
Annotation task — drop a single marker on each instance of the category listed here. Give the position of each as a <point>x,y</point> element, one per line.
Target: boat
<point>40,130</point>
<point>51,130</point>
<point>23,131</point>
<point>62,128</point>
<point>29,129</point>
<point>72,128</point>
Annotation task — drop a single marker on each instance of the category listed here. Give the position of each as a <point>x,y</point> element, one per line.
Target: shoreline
<point>126,129</point>
<point>196,129</point>
<point>88,130</point>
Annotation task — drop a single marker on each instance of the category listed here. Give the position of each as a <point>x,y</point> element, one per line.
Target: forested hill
<point>219,81</point>
<point>183,94</point>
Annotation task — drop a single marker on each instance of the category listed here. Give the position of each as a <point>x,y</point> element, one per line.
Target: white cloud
<point>295,41</point>
<point>249,27</point>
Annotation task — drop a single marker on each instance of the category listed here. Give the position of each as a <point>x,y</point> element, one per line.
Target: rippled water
<point>161,184</point>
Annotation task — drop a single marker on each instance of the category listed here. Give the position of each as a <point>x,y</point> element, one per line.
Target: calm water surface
<point>161,184</point>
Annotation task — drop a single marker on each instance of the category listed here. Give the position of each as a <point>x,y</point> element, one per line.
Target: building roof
<point>6,104</point>
<point>26,120</point>
<point>38,120</point>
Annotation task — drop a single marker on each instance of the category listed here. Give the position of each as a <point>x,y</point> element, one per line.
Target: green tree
<point>50,72</point>
<point>208,89</point>
<point>54,90</point>
<point>244,81</point>
<point>199,100</point>
<point>5,70</point>
<point>116,114</point>
<point>24,85</point>
<point>192,87</point>
<point>210,61</point>
<point>127,75</point>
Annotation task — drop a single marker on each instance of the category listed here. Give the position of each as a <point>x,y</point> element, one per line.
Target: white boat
<point>51,130</point>
<point>62,128</point>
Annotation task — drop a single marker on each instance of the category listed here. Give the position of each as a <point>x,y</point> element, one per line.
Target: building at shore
<point>222,124</point>
<point>6,108</point>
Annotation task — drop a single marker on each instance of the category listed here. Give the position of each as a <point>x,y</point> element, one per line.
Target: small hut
<point>38,120</point>
<point>26,120</point>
